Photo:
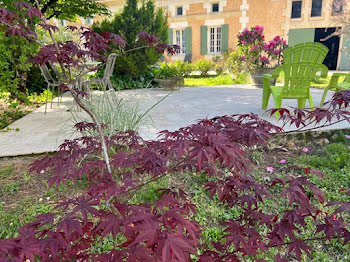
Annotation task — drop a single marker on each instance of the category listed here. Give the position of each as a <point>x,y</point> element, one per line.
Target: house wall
<point>274,15</point>
<point>302,29</point>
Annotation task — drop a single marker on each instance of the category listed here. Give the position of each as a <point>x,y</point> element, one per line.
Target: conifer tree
<point>133,19</point>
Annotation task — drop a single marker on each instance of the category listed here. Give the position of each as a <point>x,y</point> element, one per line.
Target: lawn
<point>24,196</point>
<point>224,79</point>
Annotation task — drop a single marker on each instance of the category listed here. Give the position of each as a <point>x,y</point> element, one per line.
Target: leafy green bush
<point>234,62</point>
<point>183,68</point>
<point>204,66</point>
<point>219,64</point>
<point>123,82</point>
<point>134,18</point>
<point>35,81</point>
<point>165,71</point>
<point>14,66</point>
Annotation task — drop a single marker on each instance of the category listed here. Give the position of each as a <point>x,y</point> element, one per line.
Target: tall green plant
<point>116,113</point>
<point>133,19</point>
<point>14,65</point>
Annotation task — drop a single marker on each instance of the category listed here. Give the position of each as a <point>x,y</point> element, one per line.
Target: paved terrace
<point>39,133</point>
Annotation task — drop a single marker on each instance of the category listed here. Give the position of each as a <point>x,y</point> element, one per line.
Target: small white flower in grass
<point>42,172</point>
<point>283,161</point>
<point>305,150</point>
<point>48,198</point>
<point>27,260</point>
<point>270,169</point>
<point>40,199</point>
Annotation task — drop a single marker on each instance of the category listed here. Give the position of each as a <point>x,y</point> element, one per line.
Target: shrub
<point>257,53</point>
<point>219,64</point>
<point>136,17</point>
<point>234,62</point>
<point>14,65</point>
<point>123,82</point>
<point>204,66</point>
<point>165,71</point>
<point>182,68</point>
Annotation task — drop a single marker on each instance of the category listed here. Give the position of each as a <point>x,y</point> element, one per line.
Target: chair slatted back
<point>300,66</point>
<point>46,73</point>
<point>109,66</point>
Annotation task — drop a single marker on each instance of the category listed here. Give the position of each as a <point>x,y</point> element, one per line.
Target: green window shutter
<point>224,38</point>
<point>188,33</point>
<point>170,36</point>
<point>204,40</point>
<point>297,36</point>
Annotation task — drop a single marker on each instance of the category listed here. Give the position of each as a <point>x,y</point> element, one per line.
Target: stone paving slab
<point>39,132</point>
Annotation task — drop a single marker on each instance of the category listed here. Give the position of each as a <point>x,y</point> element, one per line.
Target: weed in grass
<point>6,171</point>
<point>9,188</point>
<point>257,156</point>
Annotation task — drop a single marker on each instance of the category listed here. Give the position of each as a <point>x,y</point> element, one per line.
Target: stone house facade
<point>208,28</point>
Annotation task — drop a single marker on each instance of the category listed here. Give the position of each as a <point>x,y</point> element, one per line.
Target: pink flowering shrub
<point>256,52</point>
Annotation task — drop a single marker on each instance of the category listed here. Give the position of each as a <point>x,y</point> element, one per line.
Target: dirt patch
<point>18,184</point>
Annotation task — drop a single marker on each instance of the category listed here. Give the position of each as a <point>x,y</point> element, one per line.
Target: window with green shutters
<point>214,40</point>
<point>183,38</point>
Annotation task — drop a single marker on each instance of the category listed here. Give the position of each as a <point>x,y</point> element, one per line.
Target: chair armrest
<point>276,73</point>
<point>266,78</point>
<point>324,71</point>
<point>337,74</point>
<point>343,86</point>
<point>334,82</point>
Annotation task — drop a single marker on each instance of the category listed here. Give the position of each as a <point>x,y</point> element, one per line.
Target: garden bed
<point>24,195</point>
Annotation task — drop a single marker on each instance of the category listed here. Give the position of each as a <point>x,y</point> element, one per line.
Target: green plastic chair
<point>335,85</point>
<point>300,66</point>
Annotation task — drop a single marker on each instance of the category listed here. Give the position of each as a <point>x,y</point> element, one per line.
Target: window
<point>337,7</point>
<point>179,11</point>
<point>215,40</point>
<point>215,8</point>
<point>296,9</point>
<point>180,36</point>
<point>316,9</point>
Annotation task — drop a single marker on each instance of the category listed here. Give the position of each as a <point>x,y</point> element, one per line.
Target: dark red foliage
<point>165,230</point>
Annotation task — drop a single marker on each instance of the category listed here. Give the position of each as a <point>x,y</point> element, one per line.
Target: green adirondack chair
<point>335,85</point>
<point>300,65</point>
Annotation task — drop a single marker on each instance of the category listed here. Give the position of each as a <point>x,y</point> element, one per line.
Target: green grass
<point>25,212</point>
<point>224,79</point>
